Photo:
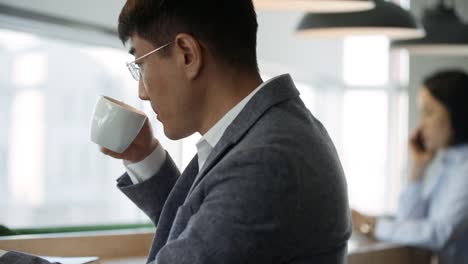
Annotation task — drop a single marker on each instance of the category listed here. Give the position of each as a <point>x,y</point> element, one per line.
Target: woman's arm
<point>432,231</point>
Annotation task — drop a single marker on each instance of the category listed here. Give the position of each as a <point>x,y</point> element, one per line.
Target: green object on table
<point>4,231</point>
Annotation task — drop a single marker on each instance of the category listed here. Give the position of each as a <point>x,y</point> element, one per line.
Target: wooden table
<point>362,250</point>
<point>131,247</point>
<point>135,260</point>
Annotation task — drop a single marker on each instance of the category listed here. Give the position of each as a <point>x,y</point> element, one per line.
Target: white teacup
<point>115,124</point>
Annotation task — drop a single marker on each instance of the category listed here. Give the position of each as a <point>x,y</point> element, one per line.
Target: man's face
<point>164,83</point>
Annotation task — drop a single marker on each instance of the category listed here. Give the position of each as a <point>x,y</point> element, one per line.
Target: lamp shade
<point>446,34</point>
<point>318,6</point>
<point>386,19</point>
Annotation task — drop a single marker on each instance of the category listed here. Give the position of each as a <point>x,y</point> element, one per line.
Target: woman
<point>433,209</point>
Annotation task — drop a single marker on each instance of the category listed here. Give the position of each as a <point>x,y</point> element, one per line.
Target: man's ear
<point>189,54</point>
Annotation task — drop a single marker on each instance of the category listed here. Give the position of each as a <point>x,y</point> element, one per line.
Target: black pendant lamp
<point>319,6</point>
<point>446,33</point>
<point>387,19</point>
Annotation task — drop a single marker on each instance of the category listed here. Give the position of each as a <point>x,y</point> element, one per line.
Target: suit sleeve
<point>248,203</point>
<point>151,194</point>
<point>14,257</point>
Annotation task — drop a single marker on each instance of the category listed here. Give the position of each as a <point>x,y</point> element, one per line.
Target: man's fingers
<point>111,153</point>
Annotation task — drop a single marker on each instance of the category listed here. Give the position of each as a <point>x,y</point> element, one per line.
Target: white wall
<point>308,60</point>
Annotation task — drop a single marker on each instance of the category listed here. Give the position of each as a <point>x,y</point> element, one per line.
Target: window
<point>366,61</point>
<point>375,117</point>
<point>374,143</point>
<point>51,174</point>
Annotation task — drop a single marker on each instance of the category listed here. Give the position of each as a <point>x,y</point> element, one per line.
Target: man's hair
<point>450,87</point>
<point>227,27</point>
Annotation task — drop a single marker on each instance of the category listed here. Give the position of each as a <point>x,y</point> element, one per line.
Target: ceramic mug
<point>115,124</point>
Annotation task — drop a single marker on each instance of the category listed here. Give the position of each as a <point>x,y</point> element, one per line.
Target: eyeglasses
<point>134,68</point>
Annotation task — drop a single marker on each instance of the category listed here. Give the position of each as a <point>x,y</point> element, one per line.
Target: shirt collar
<point>456,154</point>
<point>209,140</point>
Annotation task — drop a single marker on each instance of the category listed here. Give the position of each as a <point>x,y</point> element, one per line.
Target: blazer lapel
<point>276,91</point>
<point>175,199</point>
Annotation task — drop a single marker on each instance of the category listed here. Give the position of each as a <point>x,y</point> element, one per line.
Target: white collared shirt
<point>148,167</point>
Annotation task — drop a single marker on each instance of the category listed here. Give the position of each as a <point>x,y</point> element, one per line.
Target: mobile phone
<point>420,141</point>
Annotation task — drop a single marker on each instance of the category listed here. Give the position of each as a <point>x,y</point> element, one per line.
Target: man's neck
<point>223,94</point>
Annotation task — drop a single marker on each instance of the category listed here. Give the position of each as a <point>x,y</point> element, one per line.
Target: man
<point>266,185</point>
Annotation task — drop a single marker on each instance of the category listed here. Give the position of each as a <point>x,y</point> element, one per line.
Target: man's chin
<point>176,134</point>
<point>172,135</point>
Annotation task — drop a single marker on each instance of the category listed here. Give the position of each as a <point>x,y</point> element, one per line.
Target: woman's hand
<point>363,224</point>
<point>421,155</point>
<point>143,145</point>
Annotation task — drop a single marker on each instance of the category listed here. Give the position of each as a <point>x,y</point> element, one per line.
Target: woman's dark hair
<point>227,27</point>
<point>450,87</point>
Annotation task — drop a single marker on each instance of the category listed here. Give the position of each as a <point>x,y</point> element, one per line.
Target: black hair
<point>450,87</point>
<point>227,27</point>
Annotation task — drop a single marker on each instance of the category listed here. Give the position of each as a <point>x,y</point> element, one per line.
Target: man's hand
<point>143,145</point>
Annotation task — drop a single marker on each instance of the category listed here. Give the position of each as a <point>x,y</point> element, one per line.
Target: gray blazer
<point>271,191</point>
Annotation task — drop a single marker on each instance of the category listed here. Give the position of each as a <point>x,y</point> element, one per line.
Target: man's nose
<point>142,91</point>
